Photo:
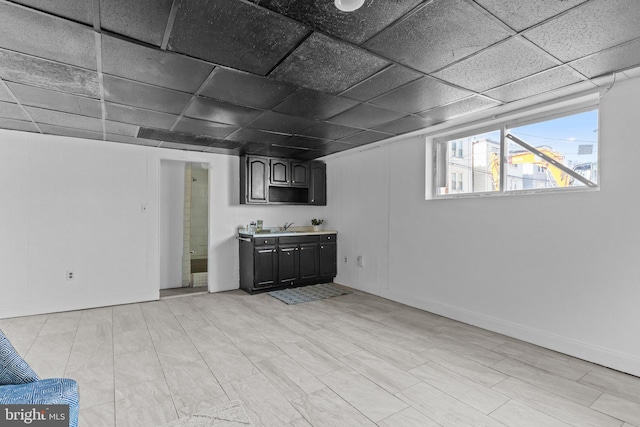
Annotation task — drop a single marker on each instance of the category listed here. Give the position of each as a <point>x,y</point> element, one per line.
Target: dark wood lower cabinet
<point>287,264</point>
<point>328,256</point>
<point>279,262</point>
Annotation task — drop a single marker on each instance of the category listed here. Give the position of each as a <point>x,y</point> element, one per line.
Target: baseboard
<point>592,353</point>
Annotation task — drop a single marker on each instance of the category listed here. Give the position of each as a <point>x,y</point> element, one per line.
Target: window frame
<point>440,152</point>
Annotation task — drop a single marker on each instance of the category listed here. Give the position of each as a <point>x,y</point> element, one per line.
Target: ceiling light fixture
<point>349,5</point>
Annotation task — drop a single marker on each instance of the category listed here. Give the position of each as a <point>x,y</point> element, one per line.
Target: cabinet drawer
<point>328,238</point>
<point>261,241</point>
<point>288,240</point>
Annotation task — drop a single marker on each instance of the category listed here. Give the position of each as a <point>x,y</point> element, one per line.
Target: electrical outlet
<point>345,260</point>
<point>70,275</point>
<point>360,261</point>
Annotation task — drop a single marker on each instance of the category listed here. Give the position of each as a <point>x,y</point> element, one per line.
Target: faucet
<point>286,226</point>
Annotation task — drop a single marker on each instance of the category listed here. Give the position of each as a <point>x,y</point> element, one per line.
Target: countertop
<point>244,233</point>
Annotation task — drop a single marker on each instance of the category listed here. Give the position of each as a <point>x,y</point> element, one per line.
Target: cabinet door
<point>257,170</point>
<point>279,172</point>
<point>309,261</point>
<point>265,266</point>
<point>318,183</point>
<point>287,264</point>
<point>328,259</point>
<point>299,174</point>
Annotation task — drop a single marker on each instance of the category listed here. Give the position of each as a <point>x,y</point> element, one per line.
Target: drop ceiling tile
<point>420,95</point>
<point>614,59</point>
<point>226,144</point>
<point>118,128</point>
<point>334,147</point>
<point>77,10</point>
<point>205,128</point>
<point>520,15</point>
<point>52,100</point>
<point>144,20</point>
<point>305,156</point>
<point>148,65</point>
<point>221,112</point>
<point>18,125</point>
<point>589,28</point>
<point>249,90</point>
<point>134,94</point>
<point>257,136</point>
<point>12,111</point>
<point>355,27</point>
<point>209,30</point>
<point>366,137</point>
<point>35,33</point>
<point>329,131</point>
<point>284,123</point>
<point>252,147</point>
<point>283,152</point>
<point>66,131</point>
<point>382,82</point>
<point>314,105</point>
<point>138,116</point>
<point>540,83</point>
<point>57,118</point>
<point>303,142</point>
<point>442,32</point>
<point>178,137</point>
<point>16,67</point>
<point>327,65</point>
<point>405,124</point>
<point>460,108</point>
<point>365,116</point>
<point>479,72</point>
<point>5,95</point>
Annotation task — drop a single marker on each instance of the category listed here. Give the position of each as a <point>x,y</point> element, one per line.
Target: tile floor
<point>353,360</point>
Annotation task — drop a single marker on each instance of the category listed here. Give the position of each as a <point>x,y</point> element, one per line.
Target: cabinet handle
<point>266,251</point>
<point>321,247</point>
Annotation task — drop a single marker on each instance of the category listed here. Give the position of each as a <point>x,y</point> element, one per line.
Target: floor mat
<point>309,293</point>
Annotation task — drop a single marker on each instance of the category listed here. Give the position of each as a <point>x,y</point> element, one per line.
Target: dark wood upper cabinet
<point>299,174</point>
<point>289,173</point>
<point>282,181</point>
<point>254,180</point>
<point>318,183</point>
<point>280,172</point>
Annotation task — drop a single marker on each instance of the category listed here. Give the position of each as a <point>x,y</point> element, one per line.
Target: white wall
<point>171,206</point>
<point>75,204</point>
<point>575,290</point>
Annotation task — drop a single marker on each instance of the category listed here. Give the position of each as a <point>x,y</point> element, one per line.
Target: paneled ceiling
<point>291,78</point>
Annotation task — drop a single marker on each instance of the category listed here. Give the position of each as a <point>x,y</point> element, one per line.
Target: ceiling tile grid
<point>291,78</point>
<point>234,33</point>
<point>327,65</point>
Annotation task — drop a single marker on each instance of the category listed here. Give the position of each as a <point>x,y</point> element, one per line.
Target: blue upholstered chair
<point>20,385</point>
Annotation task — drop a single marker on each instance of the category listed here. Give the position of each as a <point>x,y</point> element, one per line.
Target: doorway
<point>184,227</point>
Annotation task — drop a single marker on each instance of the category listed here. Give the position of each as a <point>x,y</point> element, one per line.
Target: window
<point>456,181</point>
<point>456,149</point>
<point>554,154</point>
